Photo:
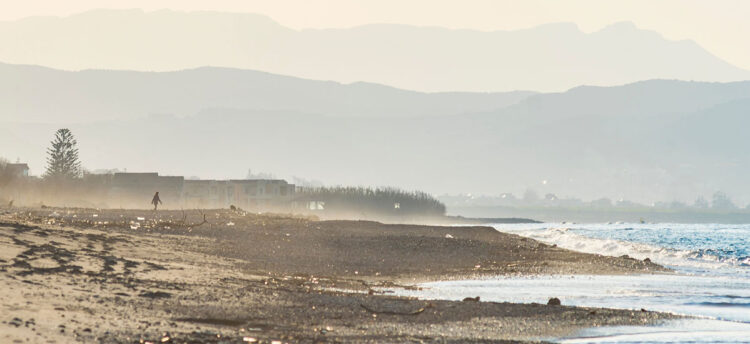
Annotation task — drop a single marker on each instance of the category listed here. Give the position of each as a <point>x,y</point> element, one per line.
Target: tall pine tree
<point>62,157</point>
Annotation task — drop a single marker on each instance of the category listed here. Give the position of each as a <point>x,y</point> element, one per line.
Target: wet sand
<point>226,276</point>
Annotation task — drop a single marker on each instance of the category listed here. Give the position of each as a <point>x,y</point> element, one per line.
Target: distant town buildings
<point>176,191</point>
<point>133,189</point>
<point>18,170</point>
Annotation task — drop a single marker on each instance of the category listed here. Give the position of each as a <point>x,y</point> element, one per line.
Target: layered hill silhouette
<point>552,57</point>
<point>655,140</point>
<point>38,94</point>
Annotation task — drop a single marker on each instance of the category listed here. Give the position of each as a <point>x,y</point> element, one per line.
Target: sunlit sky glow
<point>720,26</point>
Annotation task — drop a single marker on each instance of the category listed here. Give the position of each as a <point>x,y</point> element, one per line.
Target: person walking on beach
<point>156,200</point>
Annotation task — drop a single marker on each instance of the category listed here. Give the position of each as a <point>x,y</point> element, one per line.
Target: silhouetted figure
<point>156,200</point>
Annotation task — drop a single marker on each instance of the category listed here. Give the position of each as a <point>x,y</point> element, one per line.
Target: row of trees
<point>64,180</point>
<point>720,200</point>
<point>372,202</point>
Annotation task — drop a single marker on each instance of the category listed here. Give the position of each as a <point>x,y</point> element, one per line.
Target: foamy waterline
<point>712,280</point>
<point>569,236</point>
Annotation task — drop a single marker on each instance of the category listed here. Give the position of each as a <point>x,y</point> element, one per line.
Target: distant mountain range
<point>38,94</point>
<point>654,140</point>
<point>552,57</point>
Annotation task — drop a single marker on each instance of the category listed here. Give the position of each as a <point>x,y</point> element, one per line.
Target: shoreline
<point>273,277</point>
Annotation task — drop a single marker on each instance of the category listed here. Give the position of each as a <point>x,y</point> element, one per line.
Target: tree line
<point>66,182</point>
<point>370,202</point>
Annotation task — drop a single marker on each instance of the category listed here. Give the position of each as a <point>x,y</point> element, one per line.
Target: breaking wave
<point>689,246</point>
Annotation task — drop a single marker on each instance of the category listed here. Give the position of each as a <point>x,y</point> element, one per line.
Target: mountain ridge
<point>95,94</point>
<point>545,58</point>
<point>654,140</point>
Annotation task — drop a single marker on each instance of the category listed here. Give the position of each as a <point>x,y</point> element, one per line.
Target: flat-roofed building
<point>206,194</point>
<point>18,170</point>
<point>261,194</point>
<point>135,190</point>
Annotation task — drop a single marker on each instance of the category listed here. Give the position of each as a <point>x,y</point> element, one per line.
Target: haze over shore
<point>649,141</point>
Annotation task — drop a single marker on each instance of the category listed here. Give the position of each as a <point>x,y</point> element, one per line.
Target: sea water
<point>712,280</point>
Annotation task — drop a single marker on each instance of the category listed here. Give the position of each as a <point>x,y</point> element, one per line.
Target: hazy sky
<point>721,26</point>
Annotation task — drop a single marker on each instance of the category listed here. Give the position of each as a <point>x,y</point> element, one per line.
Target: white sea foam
<point>712,283</point>
<point>569,238</point>
<point>677,331</point>
<point>720,301</point>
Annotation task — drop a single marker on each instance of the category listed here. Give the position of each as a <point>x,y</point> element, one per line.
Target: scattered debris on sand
<point>68,276</point>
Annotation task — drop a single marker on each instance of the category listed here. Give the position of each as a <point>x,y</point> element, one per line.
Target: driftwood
<point>182,222</point>
<point>418,311</point>
<point>199,224</point>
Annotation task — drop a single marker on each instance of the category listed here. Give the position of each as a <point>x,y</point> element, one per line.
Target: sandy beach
<point>227,276</point>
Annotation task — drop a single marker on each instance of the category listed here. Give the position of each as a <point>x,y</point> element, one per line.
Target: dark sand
<point>68,275</point>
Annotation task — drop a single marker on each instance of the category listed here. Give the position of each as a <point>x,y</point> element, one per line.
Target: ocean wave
<point>721,255</point>
<point>721,304</point>
<point>571,238</point>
